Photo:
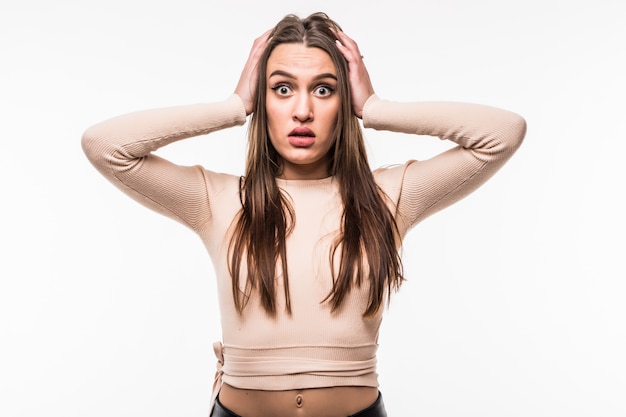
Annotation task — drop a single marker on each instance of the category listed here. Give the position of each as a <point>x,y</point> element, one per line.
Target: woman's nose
<point>303,109</point>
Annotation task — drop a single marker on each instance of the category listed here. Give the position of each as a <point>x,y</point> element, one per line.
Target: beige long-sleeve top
<point>311,347</point>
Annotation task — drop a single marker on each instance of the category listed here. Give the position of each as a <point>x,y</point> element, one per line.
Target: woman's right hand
<point>247,85</point>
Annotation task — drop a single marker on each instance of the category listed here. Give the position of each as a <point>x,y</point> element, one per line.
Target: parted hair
<point>368,241</point>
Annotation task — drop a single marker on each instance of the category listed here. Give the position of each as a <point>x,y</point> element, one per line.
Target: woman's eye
<point>323,91</point>
<point>282,89</point>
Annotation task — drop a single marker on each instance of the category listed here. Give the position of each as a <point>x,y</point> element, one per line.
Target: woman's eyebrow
<point>293,77</point>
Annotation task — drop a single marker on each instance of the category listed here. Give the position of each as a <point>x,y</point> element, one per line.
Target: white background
<point>515,299</point>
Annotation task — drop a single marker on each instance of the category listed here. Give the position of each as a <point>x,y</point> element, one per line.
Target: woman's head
<point>303,93</point>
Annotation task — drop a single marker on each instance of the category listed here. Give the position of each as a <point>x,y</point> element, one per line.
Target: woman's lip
<point>301,137</point>
<point>302,131</point>
<point>301,141</point>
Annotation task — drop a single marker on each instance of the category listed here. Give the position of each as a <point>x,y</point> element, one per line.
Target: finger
<point>246,87</point>
<point>348,53</point>
<point>265,36</point>
<point>348,46</point>
<point>261,42</point>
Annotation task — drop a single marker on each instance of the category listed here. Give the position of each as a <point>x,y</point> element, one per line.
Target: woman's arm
<point>121,149</point>
<point>486,136</point>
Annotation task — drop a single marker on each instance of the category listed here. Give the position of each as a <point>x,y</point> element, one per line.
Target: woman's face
<point>302,108</point>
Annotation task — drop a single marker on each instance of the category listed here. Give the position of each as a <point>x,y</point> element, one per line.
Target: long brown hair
<point>368,241</point>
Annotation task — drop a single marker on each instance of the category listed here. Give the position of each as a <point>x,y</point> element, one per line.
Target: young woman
<point>305,245</point>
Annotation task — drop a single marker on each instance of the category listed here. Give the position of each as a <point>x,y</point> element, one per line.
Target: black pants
<point>375,410</point>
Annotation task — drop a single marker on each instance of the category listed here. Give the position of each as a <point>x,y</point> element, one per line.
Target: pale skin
<point>302,110</point>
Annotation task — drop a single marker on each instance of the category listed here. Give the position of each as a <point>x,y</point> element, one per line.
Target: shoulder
<point>390,179</point>
<point>218,182</point>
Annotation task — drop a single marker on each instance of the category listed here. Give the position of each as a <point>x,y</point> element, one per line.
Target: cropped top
<point>312,347</point>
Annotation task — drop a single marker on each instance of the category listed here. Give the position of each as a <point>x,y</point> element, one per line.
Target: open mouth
<point>301,137</point>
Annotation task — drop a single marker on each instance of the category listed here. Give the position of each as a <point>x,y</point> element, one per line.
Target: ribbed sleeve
<point>121,149</point>
<point>486,137</point>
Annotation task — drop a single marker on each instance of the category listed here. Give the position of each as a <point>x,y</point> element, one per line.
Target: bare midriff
<point>314,402</point>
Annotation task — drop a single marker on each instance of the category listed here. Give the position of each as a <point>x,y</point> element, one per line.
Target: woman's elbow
<point>88,143</point>
<point>514,132</point>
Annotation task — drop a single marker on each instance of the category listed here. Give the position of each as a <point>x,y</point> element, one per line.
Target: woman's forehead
<point>299,58</point>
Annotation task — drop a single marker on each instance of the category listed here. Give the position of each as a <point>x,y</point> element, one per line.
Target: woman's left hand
<point>360,83</point>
